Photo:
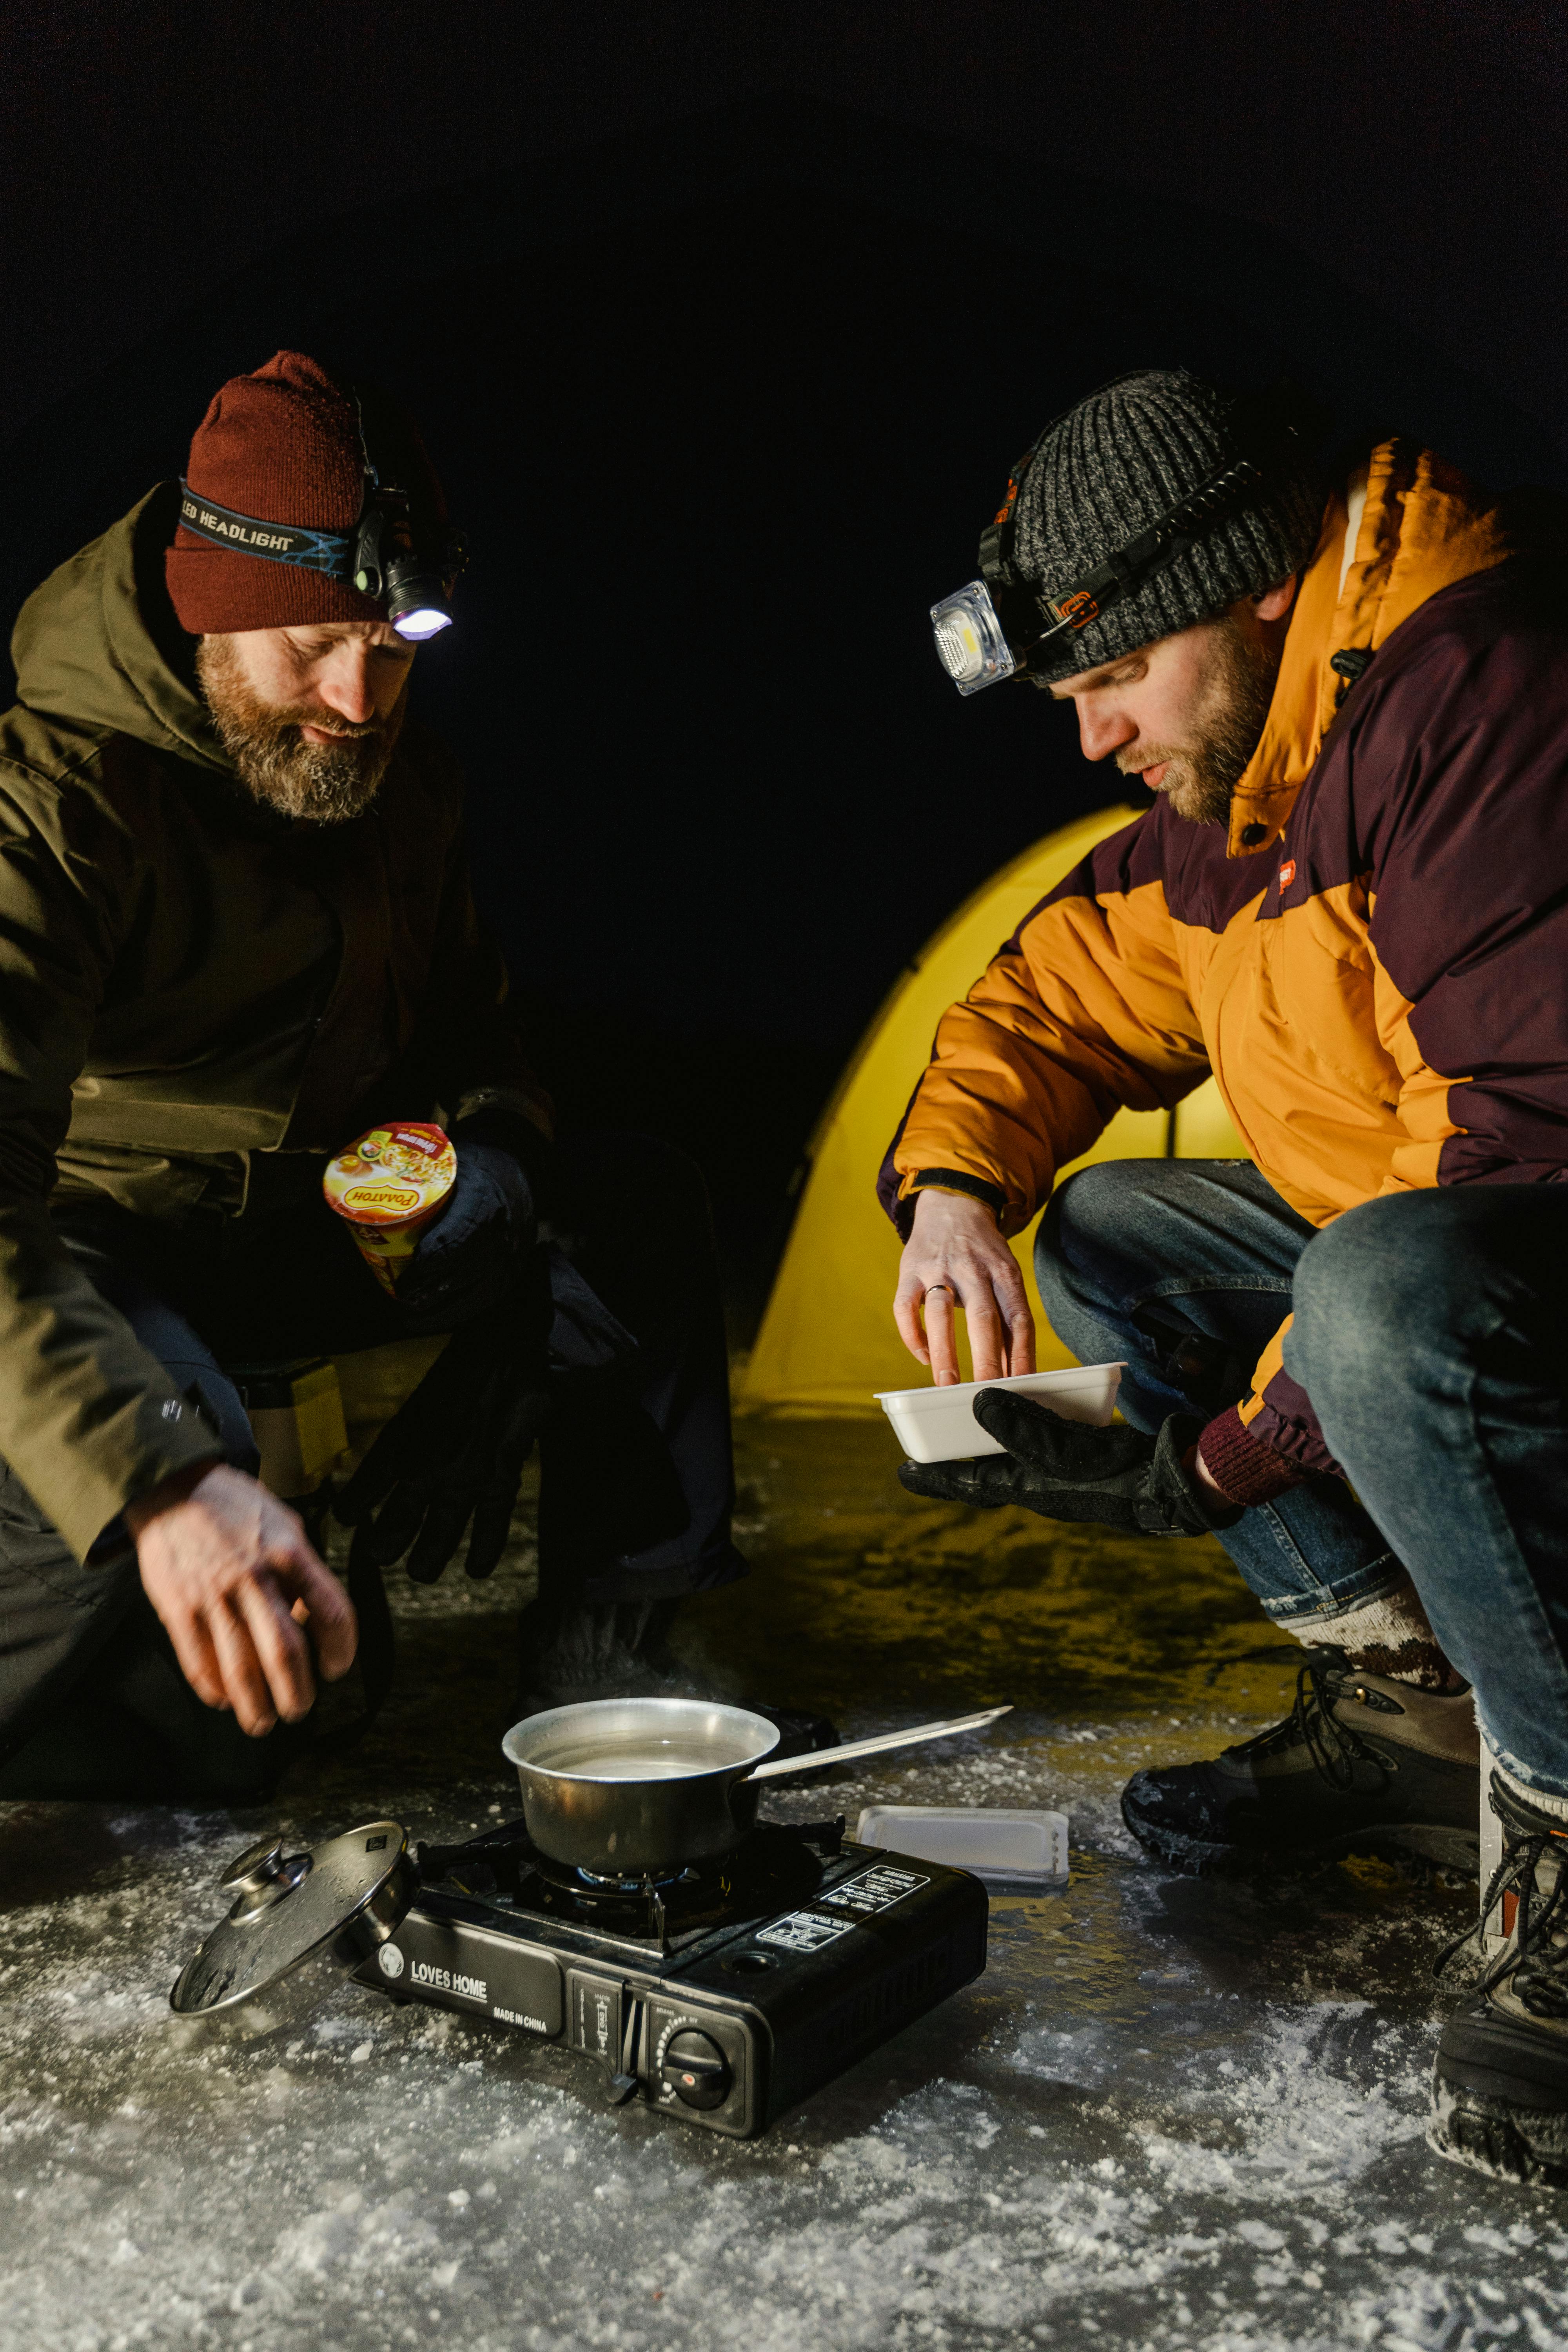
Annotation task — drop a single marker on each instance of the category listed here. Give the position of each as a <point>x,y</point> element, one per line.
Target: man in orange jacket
<point>1350,903</point>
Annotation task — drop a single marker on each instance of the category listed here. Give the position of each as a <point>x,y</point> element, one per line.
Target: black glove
<point>586,1339</point>
<point>1066,1470</point>
<point>473,1252</point>
<point>455,1450</point>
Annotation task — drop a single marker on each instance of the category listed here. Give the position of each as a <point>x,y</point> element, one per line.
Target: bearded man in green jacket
<point>236,931</point>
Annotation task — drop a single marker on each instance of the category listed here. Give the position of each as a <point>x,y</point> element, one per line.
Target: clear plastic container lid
<point>1004,1849</point>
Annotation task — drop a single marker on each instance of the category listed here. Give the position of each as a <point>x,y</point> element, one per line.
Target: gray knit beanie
<point>1109,469</point>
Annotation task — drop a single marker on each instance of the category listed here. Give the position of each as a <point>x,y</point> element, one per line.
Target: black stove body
<point>723,1997</point>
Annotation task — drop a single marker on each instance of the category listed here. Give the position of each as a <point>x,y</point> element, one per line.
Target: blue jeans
<point>1431,1333</point>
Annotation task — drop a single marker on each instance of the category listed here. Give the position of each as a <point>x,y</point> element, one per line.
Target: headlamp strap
<point>277,542</point>
<point>1122,570</point>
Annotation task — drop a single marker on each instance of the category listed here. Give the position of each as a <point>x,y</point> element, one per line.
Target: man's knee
<point>1374,1288</point>
<point>1111,1228</point>
<point>1091,1212</point>
<point>57,1614</point>
<point>1056,1244</point>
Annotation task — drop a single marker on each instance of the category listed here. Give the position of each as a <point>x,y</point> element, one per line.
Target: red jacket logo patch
<point>1287,873</point>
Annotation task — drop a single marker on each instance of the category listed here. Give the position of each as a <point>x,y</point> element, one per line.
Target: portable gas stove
<point>722,1996</point>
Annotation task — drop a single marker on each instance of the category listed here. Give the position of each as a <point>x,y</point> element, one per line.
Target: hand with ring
<point>956,1257</point>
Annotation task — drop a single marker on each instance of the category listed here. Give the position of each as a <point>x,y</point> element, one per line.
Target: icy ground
<point>1171,2113</point>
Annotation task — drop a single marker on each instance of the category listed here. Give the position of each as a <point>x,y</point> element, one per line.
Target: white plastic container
<point>939,1424</point>
<point>1011,1853</point>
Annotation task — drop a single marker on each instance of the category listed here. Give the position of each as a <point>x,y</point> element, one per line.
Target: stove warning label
<point>805,1931</point>
<point>876,1889</point>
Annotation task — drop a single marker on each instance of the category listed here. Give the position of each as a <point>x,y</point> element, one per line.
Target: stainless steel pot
<point>635,1787</point>
<point>629,1788</point>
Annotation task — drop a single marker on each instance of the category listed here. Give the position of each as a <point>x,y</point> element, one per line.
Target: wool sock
<point>1391,1636</point>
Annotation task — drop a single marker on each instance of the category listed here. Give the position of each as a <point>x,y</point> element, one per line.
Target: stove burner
<point>598,1885</point>
<point>779,1864</point>
<point>646,1909</point>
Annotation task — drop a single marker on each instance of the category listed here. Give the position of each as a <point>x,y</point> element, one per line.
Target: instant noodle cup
<point>389,1188</point>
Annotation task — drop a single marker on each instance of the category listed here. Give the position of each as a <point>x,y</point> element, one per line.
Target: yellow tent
<point>827,1340</point>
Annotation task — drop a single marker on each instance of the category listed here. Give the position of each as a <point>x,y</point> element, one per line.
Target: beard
<point>1203,773</point>
<point>325,783</point>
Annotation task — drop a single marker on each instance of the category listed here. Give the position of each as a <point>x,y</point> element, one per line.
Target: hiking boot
<point>1360,1764</point>
<point>1499,2082</point>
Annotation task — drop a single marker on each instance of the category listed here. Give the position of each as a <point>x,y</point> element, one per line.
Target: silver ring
<point>938,1286</point>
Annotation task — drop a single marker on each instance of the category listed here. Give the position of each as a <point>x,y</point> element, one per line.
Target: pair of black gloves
<point>1118,1477</point>
<point>523,1319</point>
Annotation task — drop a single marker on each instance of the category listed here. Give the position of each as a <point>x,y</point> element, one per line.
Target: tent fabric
<point>827,1341</point>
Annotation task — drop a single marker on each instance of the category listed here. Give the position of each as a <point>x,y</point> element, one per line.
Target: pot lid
<point>342,1897</point>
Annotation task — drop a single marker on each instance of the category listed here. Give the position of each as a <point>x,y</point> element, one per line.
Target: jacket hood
<point>98,645</point>
<point>1409,526</point>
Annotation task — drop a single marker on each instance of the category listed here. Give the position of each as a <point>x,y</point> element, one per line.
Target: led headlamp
<point>989,629</point>
<point>410,566</point>
<point>387,565</point>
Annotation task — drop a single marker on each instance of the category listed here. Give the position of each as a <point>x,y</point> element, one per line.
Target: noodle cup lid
<point>391,1173</point>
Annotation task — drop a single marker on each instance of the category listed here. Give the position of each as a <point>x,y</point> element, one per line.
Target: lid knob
<point>260,1877</point>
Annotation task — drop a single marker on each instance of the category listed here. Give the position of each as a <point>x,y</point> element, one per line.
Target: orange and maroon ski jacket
<point>1372,962</point>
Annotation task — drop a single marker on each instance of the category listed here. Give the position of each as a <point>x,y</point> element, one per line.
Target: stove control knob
<point>696,2069</point>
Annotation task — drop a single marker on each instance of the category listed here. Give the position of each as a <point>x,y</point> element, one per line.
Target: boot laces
<point>1333,1747</point>
<point>1538,1960</point>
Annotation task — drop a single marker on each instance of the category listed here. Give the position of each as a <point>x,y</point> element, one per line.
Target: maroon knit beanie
<point>281,446</point>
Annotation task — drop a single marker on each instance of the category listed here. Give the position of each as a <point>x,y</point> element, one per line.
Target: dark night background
<point>723,326</point>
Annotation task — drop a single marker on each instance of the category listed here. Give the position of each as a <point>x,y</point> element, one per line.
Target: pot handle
<point>777,1767</point>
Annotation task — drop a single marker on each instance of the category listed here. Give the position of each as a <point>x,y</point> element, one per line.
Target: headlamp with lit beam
<point>386,556</point>
<point>989,629</point>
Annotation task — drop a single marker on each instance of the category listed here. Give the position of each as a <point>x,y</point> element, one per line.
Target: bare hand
<point>228,1570</point>
<point>956,1257</point>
